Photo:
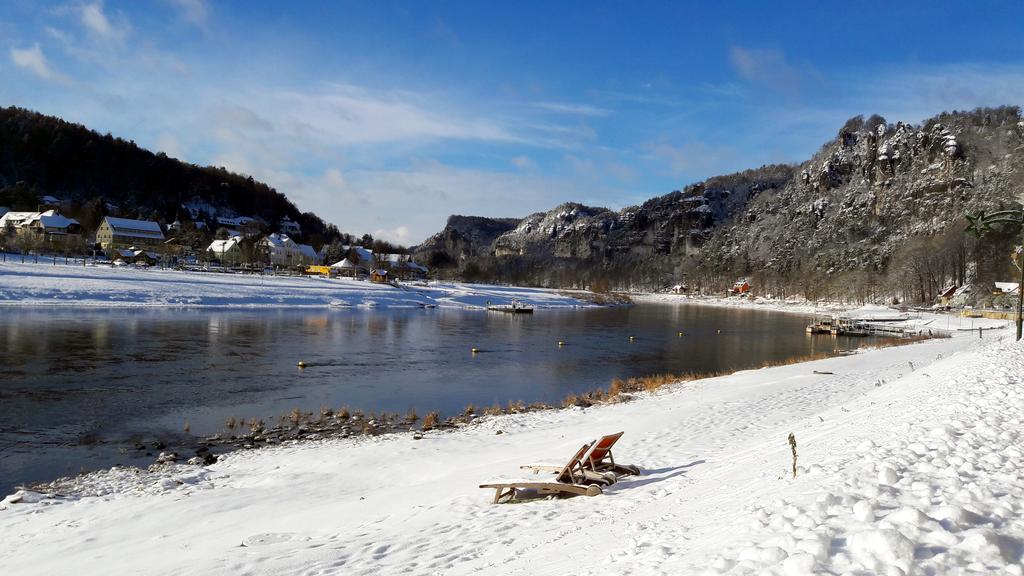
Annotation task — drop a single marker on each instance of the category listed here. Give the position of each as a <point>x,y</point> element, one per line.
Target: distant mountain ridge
<point>879,204</point>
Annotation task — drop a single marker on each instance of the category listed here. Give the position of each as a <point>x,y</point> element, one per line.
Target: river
<point>79,388</point>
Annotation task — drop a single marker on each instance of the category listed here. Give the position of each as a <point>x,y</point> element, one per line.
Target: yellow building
<point>122,233</point>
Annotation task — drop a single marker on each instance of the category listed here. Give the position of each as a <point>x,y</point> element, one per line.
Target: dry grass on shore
<point>618,390</point>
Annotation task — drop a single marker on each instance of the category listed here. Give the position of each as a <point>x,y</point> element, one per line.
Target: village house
<point>282,251</point>
<point>740,287</point>
<point>346,267</point>
<point>289,226</point>
<point>227,252</point>
<point>402,267</point>
<point>47,226</point>
<point>123,232</point>
<point>363,257</point>
<point>135,255</point>
<point>1005,287</point>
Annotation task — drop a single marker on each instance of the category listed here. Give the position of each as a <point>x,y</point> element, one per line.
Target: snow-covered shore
<point>797,306</point>
<point>910,462</point>
<point>101,286</point>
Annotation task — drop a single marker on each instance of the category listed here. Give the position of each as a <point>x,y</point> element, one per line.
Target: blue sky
<point>386,117</point>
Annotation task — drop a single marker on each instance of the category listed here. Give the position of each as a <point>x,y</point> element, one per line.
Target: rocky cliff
<point>464,238</point>
<point>878,199</point>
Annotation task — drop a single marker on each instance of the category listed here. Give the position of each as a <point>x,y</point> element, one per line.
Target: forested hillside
<point>94,174</point>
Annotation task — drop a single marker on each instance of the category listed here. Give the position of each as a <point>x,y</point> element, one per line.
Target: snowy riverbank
<point>46,284</point>
<point>924,323</point>
<point>798,306</point>
<point>910,460</point>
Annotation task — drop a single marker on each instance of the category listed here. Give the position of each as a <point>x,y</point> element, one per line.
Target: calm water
<point>79,388</point>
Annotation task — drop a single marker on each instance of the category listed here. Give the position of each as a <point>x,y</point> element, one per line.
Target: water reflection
<point>76,386</point>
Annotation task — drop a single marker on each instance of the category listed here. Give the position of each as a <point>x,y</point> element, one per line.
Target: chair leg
<point>500,493</point>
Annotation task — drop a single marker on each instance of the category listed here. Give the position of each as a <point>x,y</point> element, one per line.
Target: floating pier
<point>513,308</point>
<point>885,323</point>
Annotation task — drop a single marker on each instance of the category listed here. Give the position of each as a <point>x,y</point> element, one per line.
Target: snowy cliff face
<point>852,206</point>
<point>569,231</point>
<point>857,201</point>
<point>676,223</point>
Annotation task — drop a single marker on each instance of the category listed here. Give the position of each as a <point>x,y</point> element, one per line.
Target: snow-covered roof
<point>222,246</point>
<point>403,260</point>
<point>239,221</point>
<point>17,218</point>
<point>365,256</point>
<point>134,228</point>
<point>307,251</point>
<point>1006,287</point>
<point>345,263</point>
<point>51,219</point>
<point>279,241</point>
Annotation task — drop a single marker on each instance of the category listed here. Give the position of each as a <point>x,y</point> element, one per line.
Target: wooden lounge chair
<point>598,462</point>
<point>600,459</point>
<point>570,480</point>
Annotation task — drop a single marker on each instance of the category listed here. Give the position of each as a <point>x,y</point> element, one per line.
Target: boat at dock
<point>822,326</point>
<point>513,308</point>
<point>865,321</point>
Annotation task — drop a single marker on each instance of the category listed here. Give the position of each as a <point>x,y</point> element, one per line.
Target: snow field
<point>909,463</point>
<point>935,487</point>
<point>98,286</point>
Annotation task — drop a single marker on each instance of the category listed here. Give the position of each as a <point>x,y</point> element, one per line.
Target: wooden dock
<point>840,326</point>
<point>513,308</point>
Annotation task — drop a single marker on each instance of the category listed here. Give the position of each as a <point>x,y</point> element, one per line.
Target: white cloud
<point>170,145</point>
<point>523,162</point>
<point>195,12</point>
<point>33,60</point>
<point>408,205</point>
<point>348,114</point>
<point>769,68</point>
<point>96,22</point>
<point>694,158</point>
<point>334,179</point>
<point>400,235</point>
<point>573,109</point>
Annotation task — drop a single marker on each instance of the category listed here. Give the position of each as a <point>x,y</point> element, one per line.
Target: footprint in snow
<point>269,538</point>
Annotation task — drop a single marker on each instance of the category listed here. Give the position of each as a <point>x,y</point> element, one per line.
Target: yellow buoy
<point>474,350</point>
<point>719,331</point>
<point>560,343</point>
<point>680,334</point>
<point>631,338</point>
<point>302,364</point>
